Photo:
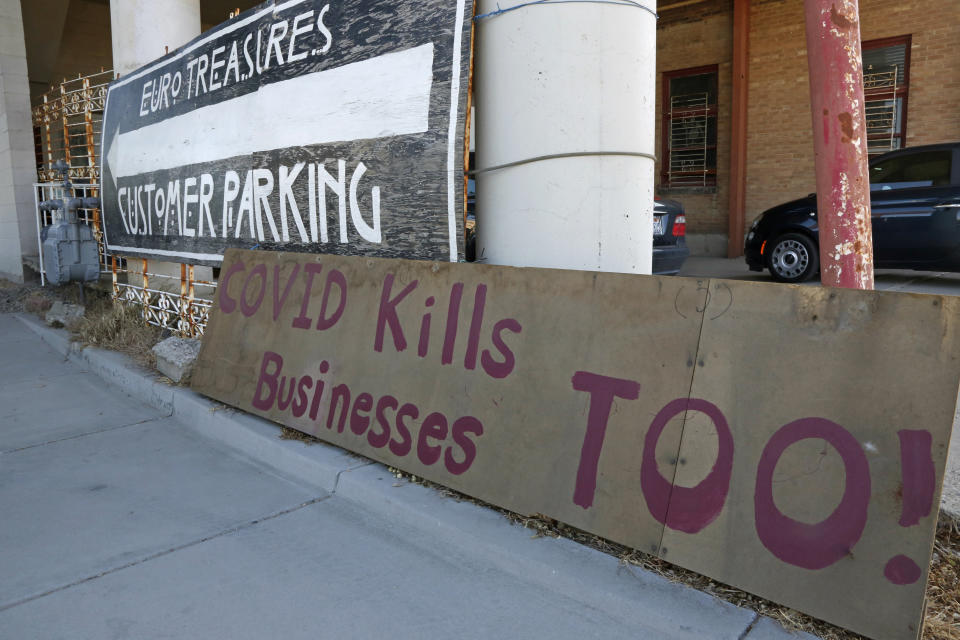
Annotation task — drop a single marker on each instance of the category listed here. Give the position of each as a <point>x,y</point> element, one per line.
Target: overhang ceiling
<point>45,21</point>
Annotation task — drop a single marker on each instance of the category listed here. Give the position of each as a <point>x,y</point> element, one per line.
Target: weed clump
<point>119,327</point>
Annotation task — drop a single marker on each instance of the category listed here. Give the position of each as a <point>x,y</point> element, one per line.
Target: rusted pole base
<point>840,143</point>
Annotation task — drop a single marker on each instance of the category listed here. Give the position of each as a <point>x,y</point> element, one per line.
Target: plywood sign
<point>787,440</point>
<point>315,126</point>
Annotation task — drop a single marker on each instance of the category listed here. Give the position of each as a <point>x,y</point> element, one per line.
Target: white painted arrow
<point>388,95</point>
<point>112,155</point>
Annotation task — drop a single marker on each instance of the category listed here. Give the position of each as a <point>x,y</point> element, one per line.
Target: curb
<point>624,592</point>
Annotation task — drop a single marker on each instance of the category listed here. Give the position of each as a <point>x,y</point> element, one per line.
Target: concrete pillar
<point>18,235</point>
<point>143,29</point>
<point>565,134</point>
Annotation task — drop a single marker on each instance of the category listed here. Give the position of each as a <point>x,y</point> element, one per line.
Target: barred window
<point>886,81</point>
<point>690,128</point>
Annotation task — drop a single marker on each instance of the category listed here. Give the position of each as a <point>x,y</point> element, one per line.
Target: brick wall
<point>779,141</point>
<point>697,36</point>
<point>934,101</point>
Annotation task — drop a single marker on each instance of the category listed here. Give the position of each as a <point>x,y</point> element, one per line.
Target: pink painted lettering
<point>267,382</point>
<point>602,390</point>
<point>919,475</point>
<point>334,277</point>
<point>687,509</point>
<point>278,299</point>
<point>500,369</point>
<point>901,570</point>
<point>402,446</point>
<point>387,314</point>
<point>248,308</point>
<point>813,546</point>
<point>380,440</point>
<point>228,304</point>
<point>476,325</point>
<point>434,427</point>
<point>359,421</point>
<point>461,428</point>
<point>302,321</point>
<point>453,319</point>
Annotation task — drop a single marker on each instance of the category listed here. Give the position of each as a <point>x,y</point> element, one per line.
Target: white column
<point>18,169</point>
<point>143,29</point>
<point>566,90</point>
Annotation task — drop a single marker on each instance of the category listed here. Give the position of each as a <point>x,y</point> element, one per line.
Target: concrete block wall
<point>17,160</point>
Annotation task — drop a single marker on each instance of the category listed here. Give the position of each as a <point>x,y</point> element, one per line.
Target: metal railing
<point>880,107</point>
<point>689,140</point>
<point>68,126</point>
<point>184,313</point>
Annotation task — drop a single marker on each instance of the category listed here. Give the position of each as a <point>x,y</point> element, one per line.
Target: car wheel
<point>793,257</point>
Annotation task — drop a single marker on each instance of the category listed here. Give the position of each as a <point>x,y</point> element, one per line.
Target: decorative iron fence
<point>68,126</point>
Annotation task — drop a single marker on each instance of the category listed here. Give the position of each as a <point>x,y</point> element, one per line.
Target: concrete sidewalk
<point>135,509</point>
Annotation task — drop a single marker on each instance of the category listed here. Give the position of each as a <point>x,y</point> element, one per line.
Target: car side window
<point>927,169</point>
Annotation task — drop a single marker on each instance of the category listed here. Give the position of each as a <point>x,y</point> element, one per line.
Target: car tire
<point>793,257</point>
<point>470,247</point>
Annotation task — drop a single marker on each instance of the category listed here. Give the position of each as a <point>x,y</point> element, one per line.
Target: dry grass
<point>941,621</point>
<point>31,297</point>
<point>286,433</point>
<point>118,327</point>
<point>943,586</point>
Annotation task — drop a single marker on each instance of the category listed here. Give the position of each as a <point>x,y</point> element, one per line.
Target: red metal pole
<point>738,127</point>
<point>840,143</point>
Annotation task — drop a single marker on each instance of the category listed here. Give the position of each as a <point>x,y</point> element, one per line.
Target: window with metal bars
<point>886,82</point>
<point>689,156</point>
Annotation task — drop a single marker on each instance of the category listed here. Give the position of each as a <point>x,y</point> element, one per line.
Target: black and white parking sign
<point>307,125</point>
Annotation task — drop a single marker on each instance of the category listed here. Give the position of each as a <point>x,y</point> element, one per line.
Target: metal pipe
<point>146,296</point>
<point>190,298</point>
<point>43,274</point>
<point>116,285</point>
<point>840,143</point>
<point>183,297</point>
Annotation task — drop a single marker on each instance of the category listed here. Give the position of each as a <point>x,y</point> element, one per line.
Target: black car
<point>915,214</point>
<point>669,237</point>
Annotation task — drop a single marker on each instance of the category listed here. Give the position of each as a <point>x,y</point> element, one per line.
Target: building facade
<point>912,92</point>
<point>733,113</point>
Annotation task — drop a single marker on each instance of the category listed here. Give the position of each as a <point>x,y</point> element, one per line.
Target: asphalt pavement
<point>134,509</point>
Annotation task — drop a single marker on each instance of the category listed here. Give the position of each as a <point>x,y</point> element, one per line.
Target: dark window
<point>886,83</point>
<point>690,128</point>
<point>927,169</point>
